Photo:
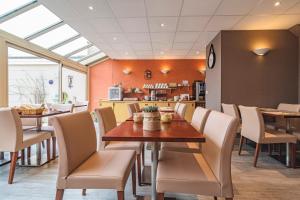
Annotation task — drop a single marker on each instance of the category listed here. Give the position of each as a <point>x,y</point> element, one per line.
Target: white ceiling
<point>131,29</point>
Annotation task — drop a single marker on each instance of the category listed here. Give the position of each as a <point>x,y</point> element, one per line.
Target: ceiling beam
<point>65,42</point>
<point>91,55</point>
<point>46,30</point>
<point>78,50</point>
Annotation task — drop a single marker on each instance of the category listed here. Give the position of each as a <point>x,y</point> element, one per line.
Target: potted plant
<point>151,120</point>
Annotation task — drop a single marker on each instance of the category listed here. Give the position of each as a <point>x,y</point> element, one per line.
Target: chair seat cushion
<point>136,146</point>
<point>186,173</point>
<point>181,147</point>
<point>272,136</point>
<point>31,137</point>
<point>104,169</point>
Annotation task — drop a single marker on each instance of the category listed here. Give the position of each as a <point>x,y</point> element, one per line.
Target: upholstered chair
<point>137,107</point>
<point>208,173</point>
<point>232,110</point>
<point>131,109</point>
<point>14,139</point>
<point>253,128</point>
<point>176,107</point>
<point>81,166</point>
<point>181,110</point>
<point>198,122</point>
<point>107,121</point>
<point>83,106</point>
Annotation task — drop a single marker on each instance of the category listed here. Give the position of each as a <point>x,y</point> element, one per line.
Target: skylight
<point>72,46</point>
<point>84,53</point>
<point>8,6</point>
<point>93,58</point>
<point>55,36</point>
<point>30,22</point>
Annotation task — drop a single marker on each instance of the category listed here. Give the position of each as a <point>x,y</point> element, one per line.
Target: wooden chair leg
<point>59,194</point>
<point>29,155</point>
<point>133,176</point>
<point>143,156</point>
<point>257,150</point>
<point>23,156</point>
<point>139,169</point>
<point>160,196</point>
<point>241,144</point>
<point>13,162</point>
<point>120,195</point>
<point>53,148</point>
<point>48,150</point>
<point>228,198</point>
<point>83,192</point>
<point>216,198</point>
<point>293,164</point>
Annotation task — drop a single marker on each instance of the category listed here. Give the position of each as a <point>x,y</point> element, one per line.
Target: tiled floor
<point>269,181</point>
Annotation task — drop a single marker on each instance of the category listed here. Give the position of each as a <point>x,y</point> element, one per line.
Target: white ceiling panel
<point>199,7</point>
<point>111,38</point>
<point>56,7</point>
<point>192,23</point>
<point>183,45</point>
<point>128,8</point>
<point>100,8</point>
<point>144,53</point>
<point>163,24</point>
<point>106,25</point>
<point>133,25</point>
<point>157,46</point>
<point>141,46</point>
<point>285,21</point>
<point>294,9</point>
<point>138,37</point>
<point>186,36</point>
<point>236,7</point>
<point>218,23</point>
<point>266,7</point>
<point>257,22</point>
<point>162,37</point>
<point>163,7</point>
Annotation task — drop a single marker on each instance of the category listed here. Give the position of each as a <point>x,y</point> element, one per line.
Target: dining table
<point>175,117</point>
<point>175,131</point>
<point>287,115</point>
<point>39,161</point>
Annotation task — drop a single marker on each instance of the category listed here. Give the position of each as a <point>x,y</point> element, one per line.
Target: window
<point>8,6</point>
<point>30,22</point>
<point>73,85</point>
<point>31,79</point>
<point>72,46</point>
<point>55,36</point>
<point>84,53</point>
<point>93,58</point>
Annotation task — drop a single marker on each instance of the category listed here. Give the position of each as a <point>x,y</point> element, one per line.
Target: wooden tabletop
<point>44,114</point>
<point>176,131</point>
<point>279,113</point>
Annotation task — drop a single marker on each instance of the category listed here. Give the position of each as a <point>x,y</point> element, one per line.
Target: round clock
<point>211,60</point>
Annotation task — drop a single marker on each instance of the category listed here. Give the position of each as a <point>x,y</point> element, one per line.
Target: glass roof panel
<point>72,46</point>
<point>30,22</point>
<point>8,6</point>
<point>55,36</point>
<point>84,53</point>
<point>93,58</point>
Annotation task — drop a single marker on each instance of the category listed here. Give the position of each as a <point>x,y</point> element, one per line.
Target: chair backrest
<point>11,133</point>
<point>253,126</point>
<point>131,109</point>
<point>232,110</point>
<point>176,106</point>
<point>199,118</point>
<point>82,106</point>
<point>220,131</point>
<point>137,107</point>
<point>106,119</point>
<point>62,107</point>
<point>289,107</point>
<point>76,137</point>
<point>181,110</point>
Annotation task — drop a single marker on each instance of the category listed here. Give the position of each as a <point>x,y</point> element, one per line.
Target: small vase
<point>151,121</point>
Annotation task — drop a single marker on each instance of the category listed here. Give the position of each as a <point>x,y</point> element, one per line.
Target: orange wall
<point>109,72</point>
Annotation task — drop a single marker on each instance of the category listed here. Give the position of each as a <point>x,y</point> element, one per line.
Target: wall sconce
<point>126,71</point>
<point>202,70</point>
<point>261,51</point>
<point>164,71</point>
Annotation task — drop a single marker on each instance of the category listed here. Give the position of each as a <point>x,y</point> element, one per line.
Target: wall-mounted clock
<point>211,60</point>
<point>147,74</point>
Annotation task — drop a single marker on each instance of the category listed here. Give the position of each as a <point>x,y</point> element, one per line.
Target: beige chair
<point>208,173</point>
<point>253,128</point>
<point>131,109</point>
<point>181,110</point>
<point>81,166</point>
<point>82,106</point>
<point>14,139</point>
<point>198,121</point>
<point>137,107</point>
<point>107,121</point>
<point>232,110</point>
<point>176,107</point>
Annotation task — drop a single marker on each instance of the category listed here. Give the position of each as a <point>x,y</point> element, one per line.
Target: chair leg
<point>48,150</point>
<point>293,164</point>
<point>133,175</point>
<point>53,148</point>
<point>228,198</point>
<point>59,194</point>
<point>13,162</point>
<point>120,195</point>
<point>216,198</point>
<point>1,155</point>
<point>23,156</point>
<point>139,169</point>
<point>160,196</point>
<point>83,192</point>
<point>257,150</point>
<point>241,144</point>
<point>270,149</point>
<point>143,156</point>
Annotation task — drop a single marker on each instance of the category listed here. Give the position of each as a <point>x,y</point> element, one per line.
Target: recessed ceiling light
<point>277,3</point>
<point>115,38</point>
<point>197,52</point>
<point>126,53</point>
<point>91,7</point>
<point>162,52</point>
<point>162,24</point>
